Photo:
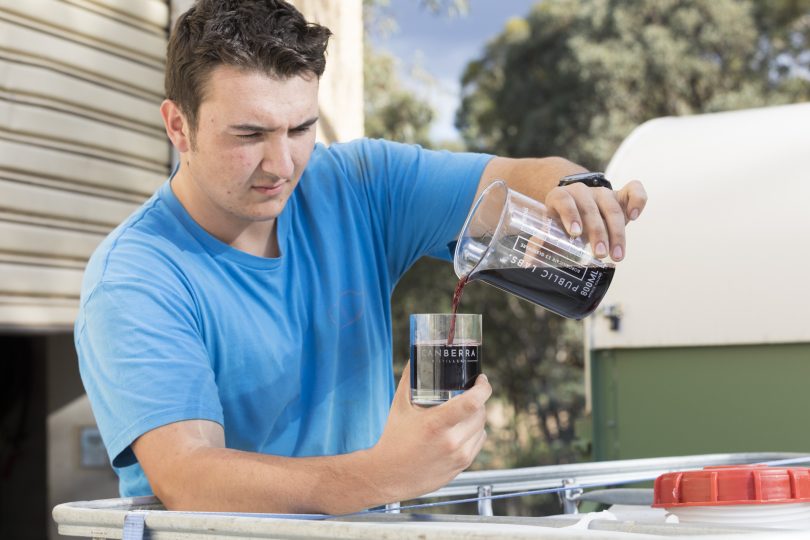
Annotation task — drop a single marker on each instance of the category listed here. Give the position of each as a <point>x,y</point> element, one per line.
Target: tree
<point>392,111</point>
<point>574,78</point>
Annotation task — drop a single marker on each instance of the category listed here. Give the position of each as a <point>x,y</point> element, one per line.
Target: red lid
<point>734,484</point>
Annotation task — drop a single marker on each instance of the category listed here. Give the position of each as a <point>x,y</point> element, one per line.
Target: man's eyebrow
<point>265,129</point>
<point>307,123</point>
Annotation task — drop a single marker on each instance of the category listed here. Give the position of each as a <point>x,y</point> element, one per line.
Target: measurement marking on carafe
<point>546,257</point>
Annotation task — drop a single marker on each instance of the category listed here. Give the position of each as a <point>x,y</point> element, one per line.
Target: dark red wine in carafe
<point>573,292</point>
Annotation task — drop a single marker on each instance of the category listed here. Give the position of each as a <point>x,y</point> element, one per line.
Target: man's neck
<point>257,238</point>
<point>258,241</point>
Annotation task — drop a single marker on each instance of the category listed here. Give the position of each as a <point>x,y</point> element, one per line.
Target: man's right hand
<point>422,449</point>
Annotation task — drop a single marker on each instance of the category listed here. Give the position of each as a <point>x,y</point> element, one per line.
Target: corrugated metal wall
<point>81,141</point>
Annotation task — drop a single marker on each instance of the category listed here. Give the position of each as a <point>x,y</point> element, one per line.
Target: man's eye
<point>247,135</point>
<point>298,131</point>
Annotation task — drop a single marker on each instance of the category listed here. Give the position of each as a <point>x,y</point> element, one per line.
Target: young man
<point>235,332</point>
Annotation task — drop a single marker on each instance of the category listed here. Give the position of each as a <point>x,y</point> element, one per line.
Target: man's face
<point>254,137</point>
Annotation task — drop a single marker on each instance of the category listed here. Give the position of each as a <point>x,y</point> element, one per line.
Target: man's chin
<point>267,211</point>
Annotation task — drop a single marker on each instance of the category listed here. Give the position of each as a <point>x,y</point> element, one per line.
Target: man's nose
<point>277,159</point>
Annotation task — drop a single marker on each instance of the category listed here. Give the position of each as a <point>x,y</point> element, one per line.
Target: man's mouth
<point>271,190</point>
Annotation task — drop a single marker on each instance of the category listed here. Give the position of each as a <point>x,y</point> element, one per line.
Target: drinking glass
<point>445,355</point>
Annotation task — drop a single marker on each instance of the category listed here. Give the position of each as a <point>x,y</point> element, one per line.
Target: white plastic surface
<point>779,516</point>
<point>720,254</point>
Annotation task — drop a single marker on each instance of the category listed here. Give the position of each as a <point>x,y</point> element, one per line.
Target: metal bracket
<point>392,508</point>
<point>485,505</point>
<point>614,314</point>
<point>569,497</point>
<point>134,525</point>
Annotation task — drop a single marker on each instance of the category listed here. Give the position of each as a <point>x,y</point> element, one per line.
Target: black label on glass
<point>444,367</point>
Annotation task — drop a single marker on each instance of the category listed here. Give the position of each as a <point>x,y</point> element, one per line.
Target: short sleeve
<point>143,362</point>
<point>419,197</point>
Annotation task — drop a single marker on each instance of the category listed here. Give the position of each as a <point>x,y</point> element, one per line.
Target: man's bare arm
<point>189,467</point>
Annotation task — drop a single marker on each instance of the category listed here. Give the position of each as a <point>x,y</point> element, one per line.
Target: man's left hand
<point>600,213</point>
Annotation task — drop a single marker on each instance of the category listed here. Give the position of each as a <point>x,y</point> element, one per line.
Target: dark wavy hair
<point>270,36</point>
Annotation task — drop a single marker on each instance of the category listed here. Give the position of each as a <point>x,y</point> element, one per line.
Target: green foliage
<point>574,78</point>
<point>452,7</point>
<point>392,111</point>
<point>377,17</point>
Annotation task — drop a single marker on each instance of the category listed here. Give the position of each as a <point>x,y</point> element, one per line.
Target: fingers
<point>579,212</point>
<point>470,427</point>
<point>466,405</point>
<point>590,202</point>
<point>466,438</point>
<point>600,213</point>
<point>561,201</point>
<point>479,443</point>
<point>402,397</point>
<point>465,452</point>
<point>613,222</point>
<point>633,198</point>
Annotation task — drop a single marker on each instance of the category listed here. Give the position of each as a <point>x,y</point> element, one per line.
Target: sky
<point>442,46</point>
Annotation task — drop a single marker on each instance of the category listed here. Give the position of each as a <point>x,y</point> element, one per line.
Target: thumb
<point>403,393</point>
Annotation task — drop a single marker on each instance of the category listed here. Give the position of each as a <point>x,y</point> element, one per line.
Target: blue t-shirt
<point>291,355</point>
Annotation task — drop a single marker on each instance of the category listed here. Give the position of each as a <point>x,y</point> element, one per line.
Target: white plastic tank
<point>721,253</point>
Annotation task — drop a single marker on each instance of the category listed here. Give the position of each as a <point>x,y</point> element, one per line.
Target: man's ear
<point>177,127</point>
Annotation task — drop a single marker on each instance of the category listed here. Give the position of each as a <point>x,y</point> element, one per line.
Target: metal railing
<point>576,475</point>
<point>109,518</point>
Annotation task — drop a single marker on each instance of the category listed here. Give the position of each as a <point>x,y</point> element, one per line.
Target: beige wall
<point>81,142</point>
<point>342,82</point>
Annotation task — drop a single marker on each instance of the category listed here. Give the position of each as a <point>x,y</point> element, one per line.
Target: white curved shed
<point>722,253</point>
